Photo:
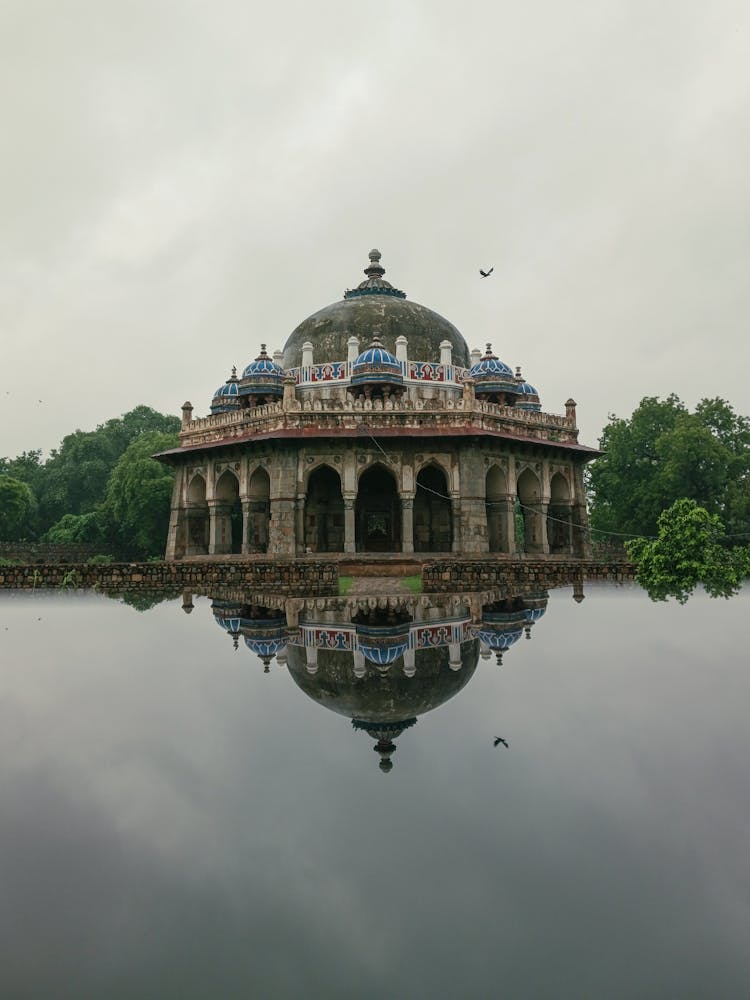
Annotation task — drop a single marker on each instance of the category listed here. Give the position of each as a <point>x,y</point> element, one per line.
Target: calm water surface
<point>176,822</point>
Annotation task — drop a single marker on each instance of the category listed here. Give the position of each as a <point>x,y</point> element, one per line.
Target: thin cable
<point>502,503</point>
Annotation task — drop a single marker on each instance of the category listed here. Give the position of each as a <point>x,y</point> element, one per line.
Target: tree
<point>688,551</point>
<point>139,493</point>
<point>663,453</point>
<point>17,508</point>
<point>73,480</point>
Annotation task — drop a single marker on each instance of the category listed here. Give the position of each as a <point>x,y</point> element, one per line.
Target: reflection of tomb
<point>381,662</point>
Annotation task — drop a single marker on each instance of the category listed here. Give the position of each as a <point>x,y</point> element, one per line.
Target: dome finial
<point>375,269</point>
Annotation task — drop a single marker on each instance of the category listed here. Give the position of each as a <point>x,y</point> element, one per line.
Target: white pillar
<point>446,352</point>
<point>402,345</point>
<point>352,346</point>
<point>307,354</point>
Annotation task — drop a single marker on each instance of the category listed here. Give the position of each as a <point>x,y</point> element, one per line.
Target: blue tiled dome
<point>262,377</point>
<point>227,396</point>
<point>492,375</point>
<point>528,398</point>
<point>377,365</point>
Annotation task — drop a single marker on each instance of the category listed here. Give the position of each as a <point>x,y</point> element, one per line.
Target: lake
<point>183,818</point>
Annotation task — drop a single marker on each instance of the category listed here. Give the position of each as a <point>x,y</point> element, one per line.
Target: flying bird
<point>486,274</point>
<point>499,739</point>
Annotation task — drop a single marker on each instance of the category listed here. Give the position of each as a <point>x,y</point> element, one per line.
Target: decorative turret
<point>227,397</point>
<point>529,397</point>
<point>262,381</point>
<point>377,372</point>
<point>494,381</point>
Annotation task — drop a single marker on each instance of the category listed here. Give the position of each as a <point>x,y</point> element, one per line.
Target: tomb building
<point>377,430</point>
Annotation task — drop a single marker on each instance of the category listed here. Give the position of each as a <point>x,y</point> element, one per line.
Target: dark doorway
<point>432,512</point>
<point>378,512</point>
<point>324,512</point>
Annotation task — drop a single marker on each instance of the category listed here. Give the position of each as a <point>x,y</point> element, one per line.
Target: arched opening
<point>529,502</point>
<point>497,507</point>
<point>559,521</point>
<point>432,512</point>
<point>258,511</point>
<point>324,512</point>
<point>227,515</point>
<point>378,512</point>
<point>196,513</point>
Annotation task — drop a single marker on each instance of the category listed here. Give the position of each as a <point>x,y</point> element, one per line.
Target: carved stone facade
<point>378,452</point>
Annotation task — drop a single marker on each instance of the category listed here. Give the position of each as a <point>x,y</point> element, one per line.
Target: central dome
<point>375,306</point>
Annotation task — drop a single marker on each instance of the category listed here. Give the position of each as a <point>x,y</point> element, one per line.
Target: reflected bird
<point>499,739</point>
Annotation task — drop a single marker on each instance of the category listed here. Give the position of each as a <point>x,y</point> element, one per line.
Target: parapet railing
<point>332,415</point>
<point>412,371</point>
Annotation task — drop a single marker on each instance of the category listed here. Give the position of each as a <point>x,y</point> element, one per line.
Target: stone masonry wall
<point>482,574</point>
<point>280,575</point>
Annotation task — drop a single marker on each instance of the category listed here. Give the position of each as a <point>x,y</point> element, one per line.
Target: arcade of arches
<point>353,502</point>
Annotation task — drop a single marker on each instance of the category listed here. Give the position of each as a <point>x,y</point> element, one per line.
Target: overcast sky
<point>180,181</point>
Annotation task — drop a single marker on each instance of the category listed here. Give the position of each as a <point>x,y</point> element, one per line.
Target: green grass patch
<point>345,585</point>
<point>413,583</point>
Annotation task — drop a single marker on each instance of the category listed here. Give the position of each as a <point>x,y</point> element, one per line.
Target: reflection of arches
<point>432,512</point>
<point>378,512</point>
<point>196,514</point>
<point>228,514</point>
<point>529,496</point>
<point>559,528</point>
<point>258,511</point>
<point>496,493</point>
<point>324,511</point>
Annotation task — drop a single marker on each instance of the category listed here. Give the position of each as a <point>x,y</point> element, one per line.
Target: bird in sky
<point>499,739</point>
<point>486,274</point>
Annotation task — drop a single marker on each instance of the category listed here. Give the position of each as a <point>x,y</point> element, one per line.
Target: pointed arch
<point>559,516</point>
<point>258,506</point>
<point>196,515</point>
<point>433,522</point>
<point>497,506</point>
<point>227,515</point>
<point>324,511</point>
<point>529,517</point>
<point>377,511</point>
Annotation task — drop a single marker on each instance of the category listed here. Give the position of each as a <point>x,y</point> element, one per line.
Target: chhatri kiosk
<point>377,430</point>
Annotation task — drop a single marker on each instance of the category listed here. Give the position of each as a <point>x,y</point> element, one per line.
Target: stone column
<point>176,536</point>
<point>543,511</point>
<point>350,544</point>
<point>220,528</point>
<point>508,514</point>
<point>407,523</point>
<point>281,534</point>
<point>456,523</point>
<point>299,524</point>
<point>246,525</point>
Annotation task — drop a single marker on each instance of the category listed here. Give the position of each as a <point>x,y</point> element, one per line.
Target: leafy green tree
<point>73,480</point>
<point>688,551</point>
<point>139,493</point>
<point>663,453</point>
<point>92,528</point>
<point>17,509</point>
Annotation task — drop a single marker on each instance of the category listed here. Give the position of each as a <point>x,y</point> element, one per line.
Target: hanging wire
<point>502,503</point>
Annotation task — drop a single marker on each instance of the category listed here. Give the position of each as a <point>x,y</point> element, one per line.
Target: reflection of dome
<point>382,703</point>
<point>226,397</point>
<point>374,305</point>
<point>382,697</point>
